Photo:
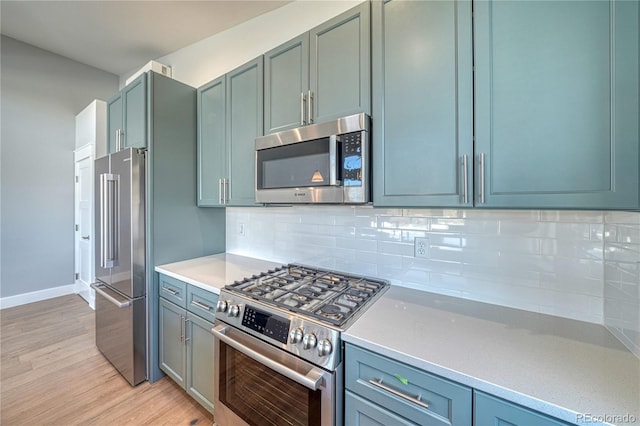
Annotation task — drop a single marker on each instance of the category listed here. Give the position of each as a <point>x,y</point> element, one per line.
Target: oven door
<point>258,384</point>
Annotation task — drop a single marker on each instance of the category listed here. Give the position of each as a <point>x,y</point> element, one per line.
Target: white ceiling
<point>121,36</point>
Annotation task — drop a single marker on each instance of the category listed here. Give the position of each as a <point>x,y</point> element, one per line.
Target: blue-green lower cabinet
<point>199,360</point>
<point>361,412</point>
<point>489,410</point>
<point>172,352</point>
<point>380,390</point>
<point>186,343</point>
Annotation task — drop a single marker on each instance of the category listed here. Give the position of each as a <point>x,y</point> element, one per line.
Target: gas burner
<point>355,294</point>
<point>331,311</point>
<point>306,292</point>
<point>262,289</point>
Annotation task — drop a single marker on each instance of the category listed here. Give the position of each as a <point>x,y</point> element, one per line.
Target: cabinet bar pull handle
<point>465,180</point>
<point>170,290</point>
<point>119,137</point>
<point>302,109</point>
<point>220,192</point>
<point>482,178</point>
<point>413,399</point>
<point>225,182</point>
<point>201,305</point>
<point>182,328</point>
<point>310,107</point>
<point>186,339</point>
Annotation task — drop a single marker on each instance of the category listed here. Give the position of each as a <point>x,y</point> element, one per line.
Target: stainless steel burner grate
<point>327,296</point>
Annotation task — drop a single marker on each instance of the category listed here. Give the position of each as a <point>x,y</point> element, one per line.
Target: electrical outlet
<point>421,247</point>
<point>241,230</point>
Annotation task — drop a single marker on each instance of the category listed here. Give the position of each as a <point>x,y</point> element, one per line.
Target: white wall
<point>208,59</point>
<point>41,95</point>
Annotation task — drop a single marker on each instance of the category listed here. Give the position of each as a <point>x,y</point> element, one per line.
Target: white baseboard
<point>87,293</point>
<point>36,296</point>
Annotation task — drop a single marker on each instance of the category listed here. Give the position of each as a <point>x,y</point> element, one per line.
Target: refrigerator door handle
<point>104,244</point>
<point>115,217</point>
<point>98,288</point>
<point>109,218</point>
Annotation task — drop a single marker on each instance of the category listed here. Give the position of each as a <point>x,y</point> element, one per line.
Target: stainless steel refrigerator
<point>121,289</point>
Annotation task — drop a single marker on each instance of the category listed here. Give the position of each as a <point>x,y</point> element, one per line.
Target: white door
<point>84,228</point>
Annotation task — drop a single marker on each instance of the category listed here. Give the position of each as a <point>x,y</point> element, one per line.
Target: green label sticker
<point>402,379</point>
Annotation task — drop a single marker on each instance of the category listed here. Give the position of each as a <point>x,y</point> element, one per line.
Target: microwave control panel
<point>352,159</point>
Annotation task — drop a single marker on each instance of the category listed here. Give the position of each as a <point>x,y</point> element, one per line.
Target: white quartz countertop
<point>557,366</point>
<point>214,272</point>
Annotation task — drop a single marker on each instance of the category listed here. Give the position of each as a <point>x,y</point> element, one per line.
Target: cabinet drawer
<point>489,410</point>
<point>416,395</point>
<point>360,412</point>
<point>172,289</point>
<point>202,302</point>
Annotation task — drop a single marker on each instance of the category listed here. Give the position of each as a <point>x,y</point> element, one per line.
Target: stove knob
<point>222,306</point>
<point>309,341</point>
<point>296,335</point>
<point>324,347</point>
<point>234,310</point>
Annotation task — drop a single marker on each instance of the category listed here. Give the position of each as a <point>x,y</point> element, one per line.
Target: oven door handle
<point>313,380</point>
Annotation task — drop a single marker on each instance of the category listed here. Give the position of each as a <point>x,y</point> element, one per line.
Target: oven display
<point>270,325</point>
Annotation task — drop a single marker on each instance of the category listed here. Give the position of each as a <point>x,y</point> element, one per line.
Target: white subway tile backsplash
<point>402,249</point>
<point>629,218</point>
<point>563,263</point>
<point>571,216</point>
<point>622,277</point>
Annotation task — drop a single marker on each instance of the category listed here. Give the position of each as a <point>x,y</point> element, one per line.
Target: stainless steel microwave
<point>320,163</point>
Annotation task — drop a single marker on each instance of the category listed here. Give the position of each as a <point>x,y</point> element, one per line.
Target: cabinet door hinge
<point>77,228</point>
<point>77,275</point>
<point>77,179</point>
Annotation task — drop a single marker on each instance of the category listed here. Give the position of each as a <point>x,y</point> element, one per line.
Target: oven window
<point>261,396</point>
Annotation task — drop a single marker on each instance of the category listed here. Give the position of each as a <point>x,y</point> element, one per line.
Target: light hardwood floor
<point>53,374</point>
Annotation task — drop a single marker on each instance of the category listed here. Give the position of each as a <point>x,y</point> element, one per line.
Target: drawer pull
<point>414,399</point>
<point>170,291</point>
<point>201,305</point>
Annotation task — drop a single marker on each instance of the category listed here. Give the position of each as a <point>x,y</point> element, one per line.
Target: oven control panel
<point>306,338</point>
<point>267,324</point>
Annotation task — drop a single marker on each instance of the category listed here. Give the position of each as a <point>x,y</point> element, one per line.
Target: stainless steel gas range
<point>278,352</point>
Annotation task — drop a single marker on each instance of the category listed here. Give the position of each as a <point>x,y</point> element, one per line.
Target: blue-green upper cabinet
<point>556,104</point>
<point>320,75</point>
<point>244,124</point>
<point>114,122</point>
<point>340,66</point>
<point>127,116</point>
<point>135,113</point>
<point>422,103</point>
<point>212,164</point>
<point>286,82</point>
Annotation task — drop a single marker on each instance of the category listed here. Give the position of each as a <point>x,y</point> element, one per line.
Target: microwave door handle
<point>333,160</point>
